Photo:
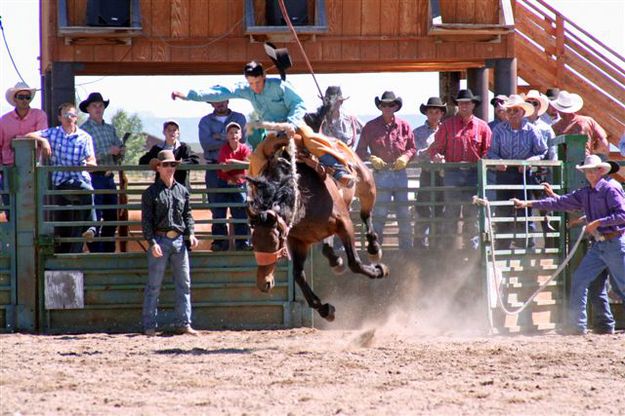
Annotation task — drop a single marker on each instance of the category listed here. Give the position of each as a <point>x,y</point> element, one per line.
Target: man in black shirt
<point>166,220</point>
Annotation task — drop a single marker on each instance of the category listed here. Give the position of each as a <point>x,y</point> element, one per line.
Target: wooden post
<point>448,87</point>
<point>505,76</point>
<point>61,89</point>
<point>25,232</point>
<point>477,81</point>
<point>560,50</point>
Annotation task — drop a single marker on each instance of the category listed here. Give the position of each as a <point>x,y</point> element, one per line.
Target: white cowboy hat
<point>592,162</point>
<point>20,86</point>
<point>568,102</point>
<point>518,101</point>
<point>541,98</point>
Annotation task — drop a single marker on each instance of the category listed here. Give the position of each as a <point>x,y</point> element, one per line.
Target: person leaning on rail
<point>166,220</point>
<point>604,207</point>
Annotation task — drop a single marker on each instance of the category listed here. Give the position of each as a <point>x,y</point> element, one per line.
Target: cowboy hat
<point>518,101</point>
<point>568,102</point>
<point>433,102</point>
<point>163,156</point>
<point>541,98</point>
<point>467,95</point>
<point>388,97</point>
<point>279,57</point>
<point>614,166</point>
<point>20,86</point>
<point>94,97</point>
<point>592,162</point>
<point>552,93</point>
<point>334,93</point>
<point>498,99</point>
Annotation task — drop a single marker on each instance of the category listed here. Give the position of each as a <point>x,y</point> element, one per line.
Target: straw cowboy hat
<point>433,102</point>
<point>467,95</point>
<point>592,162</point>
<point>94,97</point>
<point>20,86</point>
<point>518,101</point>
<point>541,98</point>
<point>568,102</point>
<point>388,97</point>
<point>163,156</point>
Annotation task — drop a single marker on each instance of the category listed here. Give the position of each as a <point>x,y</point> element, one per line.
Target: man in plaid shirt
<point>70,146</point>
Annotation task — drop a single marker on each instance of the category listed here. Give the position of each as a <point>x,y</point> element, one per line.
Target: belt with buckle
<point>612,235</point>
<point>169,234</point>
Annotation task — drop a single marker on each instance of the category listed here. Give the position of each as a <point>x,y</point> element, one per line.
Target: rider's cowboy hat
<point>541,98</point>
<point>280,58</point>
<point>516,101</point>
<point>467,95</point>
<point>163,156</point>
<point>592,162</point>
<point>388,97</point>
<point>94,97</point>
<point>433,102</point>
<point>567,102</point>
<point>334,93</point>
<point>20,86</point>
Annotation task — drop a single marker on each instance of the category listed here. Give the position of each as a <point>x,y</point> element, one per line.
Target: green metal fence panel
<point>8,273</point>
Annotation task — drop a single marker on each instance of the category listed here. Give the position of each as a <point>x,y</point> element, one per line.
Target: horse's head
<point>269,234</point>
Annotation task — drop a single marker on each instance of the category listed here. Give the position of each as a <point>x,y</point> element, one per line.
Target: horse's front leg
<point>335,261</point>
<point>299,252</point>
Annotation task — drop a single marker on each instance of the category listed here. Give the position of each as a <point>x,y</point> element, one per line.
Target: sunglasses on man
<point>69,115</point>
<point>23,97</point>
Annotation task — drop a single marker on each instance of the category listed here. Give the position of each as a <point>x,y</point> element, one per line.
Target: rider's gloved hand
<point>401,162</point>
<point>377,163</point>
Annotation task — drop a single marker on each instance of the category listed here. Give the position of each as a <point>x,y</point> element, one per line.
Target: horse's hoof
<point>327,312</point>
<point>340,267</point>
<point>377,256</point>
<point>383,268</point>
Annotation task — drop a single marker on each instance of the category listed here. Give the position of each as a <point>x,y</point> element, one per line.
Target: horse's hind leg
<point>335,261</point>
<point>373,271</point>
<point>366,192</point>
<point>373,246</point>
<point>299,253</point>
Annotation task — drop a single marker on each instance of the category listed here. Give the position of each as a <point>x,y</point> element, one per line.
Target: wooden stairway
<point>553,51</point>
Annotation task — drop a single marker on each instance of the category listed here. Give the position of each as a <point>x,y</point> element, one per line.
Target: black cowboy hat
<point>388,97</point>
<point>433,102</point>
<point>94,97</point>
<point>467,95</point>
<point>614,167</point>
<point>279,57</point>
<point>552,93</point>
<point>498,99</point>
<point>333,92</point>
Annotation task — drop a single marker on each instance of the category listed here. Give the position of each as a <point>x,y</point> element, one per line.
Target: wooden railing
<point>553,51</point>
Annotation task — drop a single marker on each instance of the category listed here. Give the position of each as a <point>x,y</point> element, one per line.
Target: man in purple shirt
<point>604,207</point>
<point>388,143</point>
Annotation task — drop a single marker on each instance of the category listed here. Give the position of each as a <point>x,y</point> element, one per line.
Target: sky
<point>605,19</point>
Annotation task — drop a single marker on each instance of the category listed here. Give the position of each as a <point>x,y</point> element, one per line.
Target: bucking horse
<point>291,205</point>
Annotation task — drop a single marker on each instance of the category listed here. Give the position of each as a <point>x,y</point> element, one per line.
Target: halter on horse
<point>291,210</point>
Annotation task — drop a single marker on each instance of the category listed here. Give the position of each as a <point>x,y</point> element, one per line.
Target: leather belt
<point>612,235</point>
<point>169,234</point>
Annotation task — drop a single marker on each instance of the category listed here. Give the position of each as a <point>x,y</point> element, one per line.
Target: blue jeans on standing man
<point>174,253</point>
<point>241,228</point>
<point>461,177</point>
<point>601,254</point>
<point>99,180</point>
<point>212,181</point>
<point>385,180</point>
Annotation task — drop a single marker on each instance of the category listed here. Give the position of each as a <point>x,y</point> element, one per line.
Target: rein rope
<point>497,272</point>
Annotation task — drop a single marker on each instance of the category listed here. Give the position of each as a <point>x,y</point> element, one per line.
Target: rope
<point>497,273</point>
<point>287,19</point>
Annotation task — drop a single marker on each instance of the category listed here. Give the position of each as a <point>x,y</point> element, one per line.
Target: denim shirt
<point>209,125</point>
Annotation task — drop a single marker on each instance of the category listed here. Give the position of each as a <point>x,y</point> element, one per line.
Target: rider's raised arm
<point>220,93</point>
<point>295,104</point>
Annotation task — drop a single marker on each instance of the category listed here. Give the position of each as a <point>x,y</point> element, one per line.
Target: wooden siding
<point>208,37</point>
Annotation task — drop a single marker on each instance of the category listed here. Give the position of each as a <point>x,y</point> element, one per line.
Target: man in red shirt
<point>233,152</point>
<point>461,138</point>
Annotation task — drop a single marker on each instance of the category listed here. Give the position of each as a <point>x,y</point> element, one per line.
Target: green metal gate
<point>8,286</point>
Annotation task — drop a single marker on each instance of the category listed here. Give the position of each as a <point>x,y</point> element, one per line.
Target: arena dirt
<point>386,369</point>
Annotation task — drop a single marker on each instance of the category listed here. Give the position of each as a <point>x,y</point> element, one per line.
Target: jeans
<point>70,216</point>
<point>457,177</point>
<point>174,253</point>
<point>512,176</point>
<point>384,180</point>
<point>423,230</point>
<point>212,181</point>
<point>601,255</point>
<point>104,182</point>
<point>241,230</point>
